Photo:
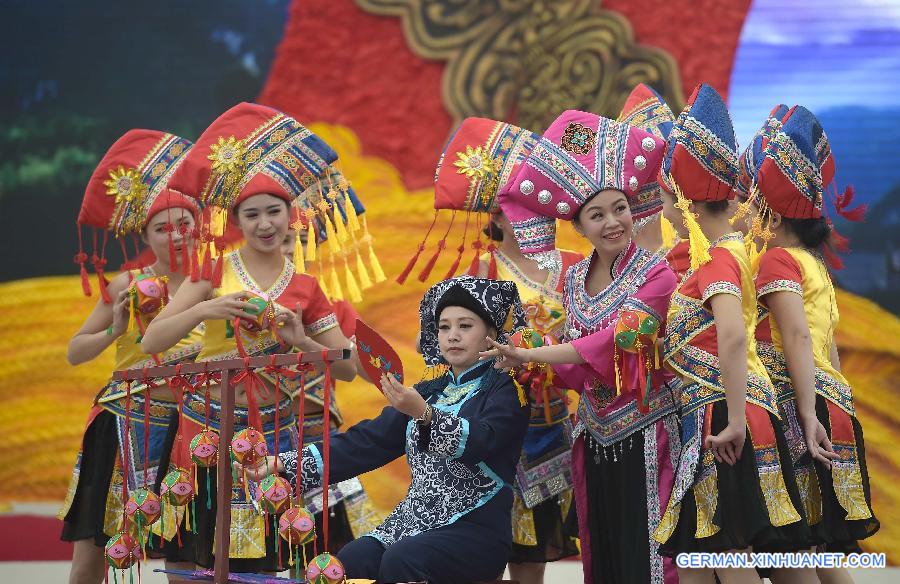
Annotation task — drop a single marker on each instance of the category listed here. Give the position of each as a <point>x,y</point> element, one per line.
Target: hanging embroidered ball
<point>273,493</point>
<point>143,507</point>
<point>297,526</point>
<point>249,447</point>
<point>636,330</point>
<point>205,448</point>
<point>123,551</point>
<point>177,487</point>
<point>261,311</point>
<point>148,294</point>
<point>325,569</point>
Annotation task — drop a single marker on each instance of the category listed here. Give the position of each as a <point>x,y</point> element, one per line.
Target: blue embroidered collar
<point>472,373</point>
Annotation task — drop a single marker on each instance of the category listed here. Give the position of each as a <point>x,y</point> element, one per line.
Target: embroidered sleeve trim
<point>448,434</point>
<point>780,286</point>
<point>327,322</point>
<point>720,287</point>
<point>310,464</point>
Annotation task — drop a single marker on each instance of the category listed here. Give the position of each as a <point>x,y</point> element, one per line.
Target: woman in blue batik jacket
<point>461,433</point>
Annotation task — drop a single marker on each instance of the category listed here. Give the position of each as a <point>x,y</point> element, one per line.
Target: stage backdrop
<point>384,81</point>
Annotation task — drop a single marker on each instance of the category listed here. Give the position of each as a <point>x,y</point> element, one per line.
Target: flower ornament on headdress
<point>578,156</point>
<point>701,163</point>
<point>251,150</point>
<point>129,186</point>
<point>795,172</point>
<point>496,299</point>
<point>645,109</point>
<point>479,158</point>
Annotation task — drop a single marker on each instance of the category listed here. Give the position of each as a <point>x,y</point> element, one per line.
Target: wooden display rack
<point>226,429</point>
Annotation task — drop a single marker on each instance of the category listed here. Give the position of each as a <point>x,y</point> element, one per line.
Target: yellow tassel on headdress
<point>321,279</point>
<point>352,219</point>
<point>339,226</point>
<point>364,281</point>
<point>699,244</point>
<point>338,294</point>
<point>352,288</point>
<point>298,252</point>
<point>330,233</point>
<point>373,259</point>
<point>669,236</point>
<point>217,219</point>
<point>311,235</point>
<point>762,231</point>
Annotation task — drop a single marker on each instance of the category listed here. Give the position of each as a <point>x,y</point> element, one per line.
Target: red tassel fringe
<point>452,271</point>
<point>426,271</point>
<point>412,262</point>
<point>476,259</point>
<point>492,266</point>
<point>80,258</point>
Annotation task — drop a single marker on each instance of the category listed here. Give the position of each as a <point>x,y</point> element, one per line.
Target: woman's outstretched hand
<point>506,356</point>
<point>405,400</point>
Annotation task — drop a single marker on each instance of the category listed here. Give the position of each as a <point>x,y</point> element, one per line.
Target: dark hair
<point>577,217</point>
<point>493,231</point>
<point>716,207</point>
<point>813,233</point>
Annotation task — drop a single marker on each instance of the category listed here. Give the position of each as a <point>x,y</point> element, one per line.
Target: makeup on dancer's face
<point>461,335</point>
<point>605,220</point>
<point>263,220</point>
<point>156,232</point>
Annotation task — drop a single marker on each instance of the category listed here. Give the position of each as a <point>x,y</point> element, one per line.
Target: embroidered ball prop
<point>261,311</point>
<point>123,551</point>
<point>177,487</point>
<point>325,569</point>
<point>143,507</point>
<point>535,378</point>
<point>148,294</point>
<point>297,526</point>
<point>636,332</point>
<point>249,447</point>
<point>273,493</point>
<point>205,448</point>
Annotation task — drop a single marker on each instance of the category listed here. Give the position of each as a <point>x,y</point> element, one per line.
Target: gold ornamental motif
<point>534,57</point>
<point>125,185</point>
<point>227,156</point>
<point>475,163</point>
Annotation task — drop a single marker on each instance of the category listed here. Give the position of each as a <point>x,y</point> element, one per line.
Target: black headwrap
<point>495,301</point>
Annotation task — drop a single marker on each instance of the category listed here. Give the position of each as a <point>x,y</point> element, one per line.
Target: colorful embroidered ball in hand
<point>297,526</point>
<point>123,551</point>
<point>325,569</point>
<point>205,448</point>
<point>143,507</point>
<point>261,311</point>
<point>148,294</point>
<point>177,487</point>
<point>249,447</point>
<point>274,494</point>
<point>636,332</point>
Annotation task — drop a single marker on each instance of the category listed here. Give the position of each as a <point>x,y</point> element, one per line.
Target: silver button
<point>563,208</point>
<point>633,183</point>
<point>640,162</point>
<point>648,144</point>
<point>544,197</point>
<point>526,187</point>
